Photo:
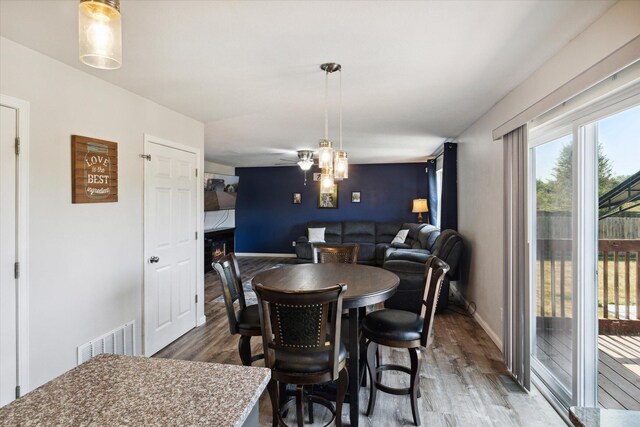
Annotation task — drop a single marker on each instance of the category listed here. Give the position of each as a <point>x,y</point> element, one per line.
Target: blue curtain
<point>449,207</point>
<point>432,192</point>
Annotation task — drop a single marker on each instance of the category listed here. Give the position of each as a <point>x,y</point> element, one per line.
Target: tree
<point>556,193</point>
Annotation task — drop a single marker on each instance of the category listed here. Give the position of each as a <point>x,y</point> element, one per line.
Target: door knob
<point>154,259</point>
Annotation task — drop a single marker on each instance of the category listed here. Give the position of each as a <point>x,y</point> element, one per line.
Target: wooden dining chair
<point>346,253</point>
<point>301,340</point>
<point>403,329</point>
<point>245,321</point>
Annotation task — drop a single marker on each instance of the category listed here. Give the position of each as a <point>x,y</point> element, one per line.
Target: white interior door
<point>8,256</point>
<point>170,245</point>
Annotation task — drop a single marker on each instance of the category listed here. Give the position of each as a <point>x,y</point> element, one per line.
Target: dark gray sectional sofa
<point>374,238</point>
<point>406,259</point>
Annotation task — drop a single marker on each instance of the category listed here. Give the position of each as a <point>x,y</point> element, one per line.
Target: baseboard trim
<point>201,321</point>
<point>270,255</point>
<point>484,325</point>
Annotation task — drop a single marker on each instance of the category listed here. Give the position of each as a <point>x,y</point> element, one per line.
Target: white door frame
<point>200,316</point>
<point>22,242</point>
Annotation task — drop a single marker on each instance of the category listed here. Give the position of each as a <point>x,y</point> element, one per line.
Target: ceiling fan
<point>305,161</point>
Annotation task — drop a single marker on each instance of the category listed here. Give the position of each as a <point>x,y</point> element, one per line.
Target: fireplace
<point>218,249</point>
<point>217,243</point>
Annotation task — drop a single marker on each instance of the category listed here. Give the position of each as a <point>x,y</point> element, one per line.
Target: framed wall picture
<point>355,197</point>
<point>329,201</point>
<point>94,170</point>
<point>296,198</point>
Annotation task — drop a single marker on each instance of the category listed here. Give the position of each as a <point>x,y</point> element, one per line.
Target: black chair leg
<point>300,405</point>
<point>272,388</point>
<point>414,386</point>
<point>343,384</point>
<point>372,350</point>
<point>282,395</point>
<point>311,406</point>
<point>378,363</point>
<point>244,348</point>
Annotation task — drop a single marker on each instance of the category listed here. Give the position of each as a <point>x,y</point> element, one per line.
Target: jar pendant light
<point>326,183</point>
<point>325,154</point>
<point>334,164</point>
<point>100,33</point>
<point>341,165</point>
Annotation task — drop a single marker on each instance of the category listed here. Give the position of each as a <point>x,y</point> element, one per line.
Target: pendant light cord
<point>326,106</point>
<point>340,109</point>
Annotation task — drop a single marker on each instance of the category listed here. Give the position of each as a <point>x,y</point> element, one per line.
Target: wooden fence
<point>554,265</point>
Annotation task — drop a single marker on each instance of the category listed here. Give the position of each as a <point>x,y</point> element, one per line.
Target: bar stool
<point>403,329</point>
<point>246,321</point>
<point>301,340</point>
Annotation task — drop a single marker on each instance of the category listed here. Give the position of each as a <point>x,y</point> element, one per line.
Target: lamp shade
<point>420,205</point>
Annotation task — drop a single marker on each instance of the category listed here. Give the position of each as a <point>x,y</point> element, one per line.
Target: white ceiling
<point>414,73</point>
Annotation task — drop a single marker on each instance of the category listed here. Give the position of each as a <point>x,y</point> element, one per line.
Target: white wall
<point>219,219</point>
<point>480,158</point>
<point>86,260</point>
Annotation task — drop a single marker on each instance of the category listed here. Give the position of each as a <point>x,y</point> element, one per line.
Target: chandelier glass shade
<point>334,164</point>
<point>100,33</point>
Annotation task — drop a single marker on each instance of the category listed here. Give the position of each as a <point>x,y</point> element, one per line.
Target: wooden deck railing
<point>556,255</point>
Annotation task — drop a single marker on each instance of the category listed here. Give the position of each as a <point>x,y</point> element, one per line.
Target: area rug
<point>249,295</point>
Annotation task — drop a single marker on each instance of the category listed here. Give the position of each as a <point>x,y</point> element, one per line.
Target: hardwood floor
<point>463,381</point>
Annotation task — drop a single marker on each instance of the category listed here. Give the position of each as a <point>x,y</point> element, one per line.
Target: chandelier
<point>334,164</point>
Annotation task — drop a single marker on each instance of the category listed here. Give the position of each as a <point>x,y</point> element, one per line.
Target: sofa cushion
<point>381,249</point>
<point>406,268</point>
<point>414,255</point>
<point>333,230</point>
<point>449,247</point>
<point>412,236</point>
<point>303,251</point>
<point>400,237</point>
<point>386,231</point>
<point>316,235</point>
<point>427,236</point>
<point>359,232</point>
<point>367,252</point>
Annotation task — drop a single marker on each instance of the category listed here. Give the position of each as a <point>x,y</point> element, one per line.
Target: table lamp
<point>420,206</point>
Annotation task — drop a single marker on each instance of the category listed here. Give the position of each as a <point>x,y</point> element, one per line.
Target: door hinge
<point>16,270</point>
<point>17,391</point>
<point>196,171</point>
<point>17,145</point>
<point>196,298</point>
<point>146,156</point>
<point>196,235</point>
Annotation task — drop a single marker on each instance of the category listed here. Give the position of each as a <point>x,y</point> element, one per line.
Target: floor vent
<point>118,341</point>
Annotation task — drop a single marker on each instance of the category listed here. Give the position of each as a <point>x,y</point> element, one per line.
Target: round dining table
<point>366,285</point>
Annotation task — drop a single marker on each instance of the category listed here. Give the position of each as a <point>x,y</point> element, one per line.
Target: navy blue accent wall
<point>267,221</point>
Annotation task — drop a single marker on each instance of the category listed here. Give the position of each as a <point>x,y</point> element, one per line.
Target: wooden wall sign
<point>94,164</point>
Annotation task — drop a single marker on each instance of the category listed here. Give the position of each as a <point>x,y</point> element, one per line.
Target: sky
<point>620,138</point>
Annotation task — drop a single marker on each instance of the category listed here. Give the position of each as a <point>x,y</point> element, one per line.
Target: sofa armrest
<point>413,255</point>
<point>302,239</point>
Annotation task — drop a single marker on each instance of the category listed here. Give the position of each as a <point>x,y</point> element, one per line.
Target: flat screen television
<point>220,192</point>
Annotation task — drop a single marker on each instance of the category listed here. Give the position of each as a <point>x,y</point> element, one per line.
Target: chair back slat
<point>344,254</point>
<point>435,270</point>
<point>301,322</point>
<point>232,291</point>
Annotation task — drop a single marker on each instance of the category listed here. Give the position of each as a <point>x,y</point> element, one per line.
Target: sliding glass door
<point>584,228</point>
<point>552,346</point>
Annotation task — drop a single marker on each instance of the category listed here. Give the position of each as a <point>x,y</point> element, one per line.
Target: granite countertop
<point>595,417</point>
<point>135,391</point>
